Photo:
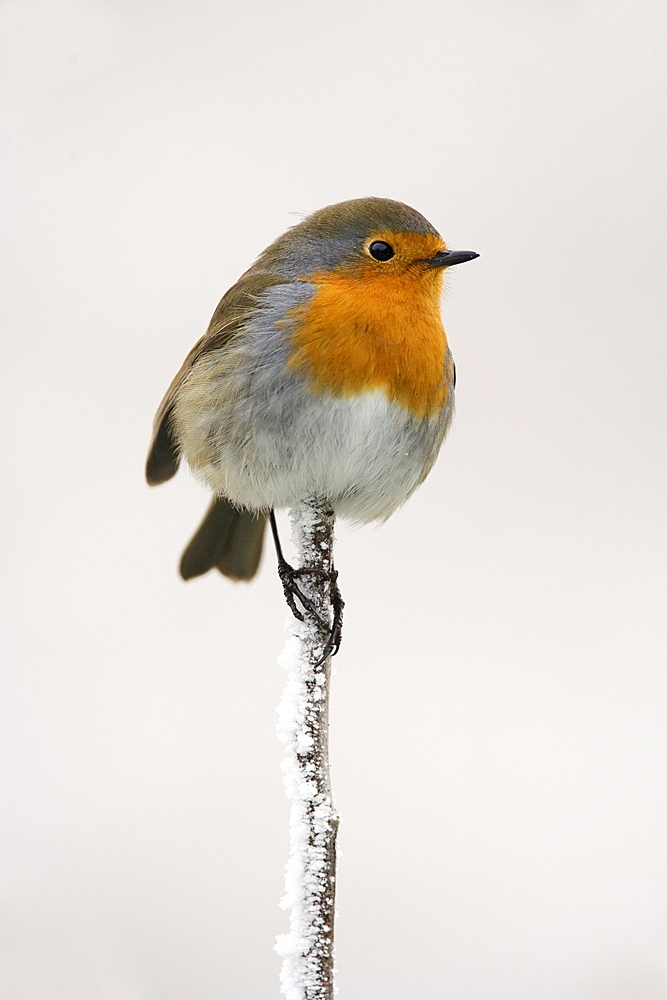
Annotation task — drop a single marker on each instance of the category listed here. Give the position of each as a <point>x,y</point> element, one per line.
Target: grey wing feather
<point>163,455</point>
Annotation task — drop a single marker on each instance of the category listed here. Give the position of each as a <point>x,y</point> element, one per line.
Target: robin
<point>325,372</point>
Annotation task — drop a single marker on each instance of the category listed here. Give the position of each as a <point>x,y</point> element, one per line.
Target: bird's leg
<point>293,593</point>
<point>288,576</point>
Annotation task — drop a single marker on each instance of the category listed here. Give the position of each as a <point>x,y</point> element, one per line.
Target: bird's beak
<point>447,258</point>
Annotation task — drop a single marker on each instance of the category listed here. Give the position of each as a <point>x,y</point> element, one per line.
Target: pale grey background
<point>500,701</point>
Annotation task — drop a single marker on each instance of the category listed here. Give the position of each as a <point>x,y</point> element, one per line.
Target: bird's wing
<point>232,311</point>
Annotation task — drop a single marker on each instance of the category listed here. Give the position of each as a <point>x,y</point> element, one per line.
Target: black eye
<point>381,250</point>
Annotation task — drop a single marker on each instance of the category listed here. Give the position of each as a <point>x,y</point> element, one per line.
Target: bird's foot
<point>289,577</point>
<point>293,593</point>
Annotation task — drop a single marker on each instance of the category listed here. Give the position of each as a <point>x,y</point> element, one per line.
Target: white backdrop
<point>500,701</point>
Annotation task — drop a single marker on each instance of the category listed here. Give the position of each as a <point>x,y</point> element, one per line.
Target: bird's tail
<point>229,539</point>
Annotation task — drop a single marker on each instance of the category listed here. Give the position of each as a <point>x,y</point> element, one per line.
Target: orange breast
<point>364,331</point>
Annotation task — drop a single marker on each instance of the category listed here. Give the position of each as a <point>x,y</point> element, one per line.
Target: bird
<point>325,372</point>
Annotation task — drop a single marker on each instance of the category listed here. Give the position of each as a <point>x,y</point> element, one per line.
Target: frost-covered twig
<point>303,726</point>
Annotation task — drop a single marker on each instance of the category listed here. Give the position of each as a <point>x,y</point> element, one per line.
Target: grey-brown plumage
<point>235,306</point>
<point>228,539</point>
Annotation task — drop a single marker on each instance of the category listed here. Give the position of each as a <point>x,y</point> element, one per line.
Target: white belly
<point>363,454</point>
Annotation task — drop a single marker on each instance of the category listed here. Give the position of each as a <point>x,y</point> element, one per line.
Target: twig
<point>303,726</point>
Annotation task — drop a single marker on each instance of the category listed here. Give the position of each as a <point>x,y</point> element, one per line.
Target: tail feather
<point>227,539</point>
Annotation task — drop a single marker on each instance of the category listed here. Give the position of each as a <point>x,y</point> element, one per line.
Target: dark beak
<point>447,258</point>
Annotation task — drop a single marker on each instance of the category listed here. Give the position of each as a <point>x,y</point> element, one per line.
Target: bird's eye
<point>381,250</point>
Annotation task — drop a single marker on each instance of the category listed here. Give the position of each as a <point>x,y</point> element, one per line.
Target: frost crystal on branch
<point>303,726</point>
